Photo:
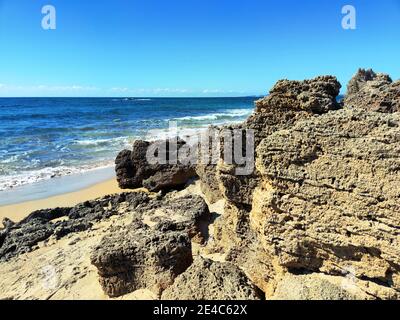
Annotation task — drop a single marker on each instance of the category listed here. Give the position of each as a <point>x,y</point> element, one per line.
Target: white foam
<point>96,142</point>
<point>12,181</point>
<point>231,113</point>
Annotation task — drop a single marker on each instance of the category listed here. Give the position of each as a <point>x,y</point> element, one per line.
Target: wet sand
<point>18,211</point>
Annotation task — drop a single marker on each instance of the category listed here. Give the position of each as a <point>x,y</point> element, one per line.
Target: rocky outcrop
<point>209,155</point>
<point>317,286</point>
<point>152,251</point>
<point>372,91</point>
<point>317,219</point>
<point>133,169</point>
<point>210,280</point>
<point>139,257</point>
<point>325,201</point>
<point>330,198</point>
<point>22,237</point>
<point>317,95</point>
<point>287,103</point>
<point>189,213</point>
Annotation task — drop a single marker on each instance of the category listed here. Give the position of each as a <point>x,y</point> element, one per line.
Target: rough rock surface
<point>317,95</point>
<point>325,201</point>
<point>318,219</point>
<point>373,92</point>
<point>330,198</point>
<point>139,257</point>
<point>317,286</point>
<point>22,237</point>
<point>287,103</point>
<point>210,280</point>
<point>134,171</point>
<point>208,156</point>
<point>152,251</point>
<point>188,212</point>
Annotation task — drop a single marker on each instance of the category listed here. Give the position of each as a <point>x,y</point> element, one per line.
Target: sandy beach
<point>17,212</point>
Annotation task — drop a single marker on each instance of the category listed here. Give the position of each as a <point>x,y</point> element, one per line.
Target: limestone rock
<point>189,213</point>
<point>329,200</point>
<point>316,286</point>
<point>206,168</point>
<point>317,95</point>
<point>155,248</point>
<point>370,91</point>
<point>287,103</point>
<point>40,225</point>
<point>209,280</point>
<point>140,256</point>
<point>324,200</point>
<point>134,171</point>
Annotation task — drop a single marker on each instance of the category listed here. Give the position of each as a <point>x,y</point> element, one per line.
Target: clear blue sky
<point>189,47</point>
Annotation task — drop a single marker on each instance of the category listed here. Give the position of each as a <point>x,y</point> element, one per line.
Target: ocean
<point>46,138</point>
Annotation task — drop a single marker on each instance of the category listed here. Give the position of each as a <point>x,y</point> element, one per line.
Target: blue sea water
<point>43,138</point>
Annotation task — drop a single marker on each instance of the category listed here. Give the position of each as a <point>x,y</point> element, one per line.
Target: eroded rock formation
<point>210,280</point>
<point>134,171</point>
<point>330,200</point>
<point>372,91</point>
<point>22,237</point>
<point>317,219</point>
<point>139,257</point>
<point>287,103</point>
<point>152,251</point>
<point>325,201</point>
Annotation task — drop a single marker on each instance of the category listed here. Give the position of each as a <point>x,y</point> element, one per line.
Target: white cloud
<point>117,89</point>
<point>46,88</point>
<point>84,90</point>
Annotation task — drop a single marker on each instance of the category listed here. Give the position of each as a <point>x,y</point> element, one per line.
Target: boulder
<point>155,248</point>
<point>210,280</point>
<point>142,257</point>
<point>372,91</point>
<point>188,212</point>
<point>317,96</point>
<point>133,169</point>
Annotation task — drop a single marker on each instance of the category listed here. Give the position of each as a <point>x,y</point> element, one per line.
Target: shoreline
<point>20,210</point>
<point>56,186</point>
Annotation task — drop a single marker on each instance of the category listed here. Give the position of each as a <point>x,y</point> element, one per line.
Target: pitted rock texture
<point>210,280</point>
<point>316,286</point>
<point>208,156</point>
<point>287,103</point>
<point>22,237</point>
<point>155,248</point>
<point>234,237</point>
<point>134,171</point>
<point>317,95</point>
<point>139,256</point>
<point>189,212</point>
<point>330,198</point>
<point>372,91</point>
<point>325,201</point>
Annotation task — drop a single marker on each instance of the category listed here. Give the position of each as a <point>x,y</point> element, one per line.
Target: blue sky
<point>189,47</point>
